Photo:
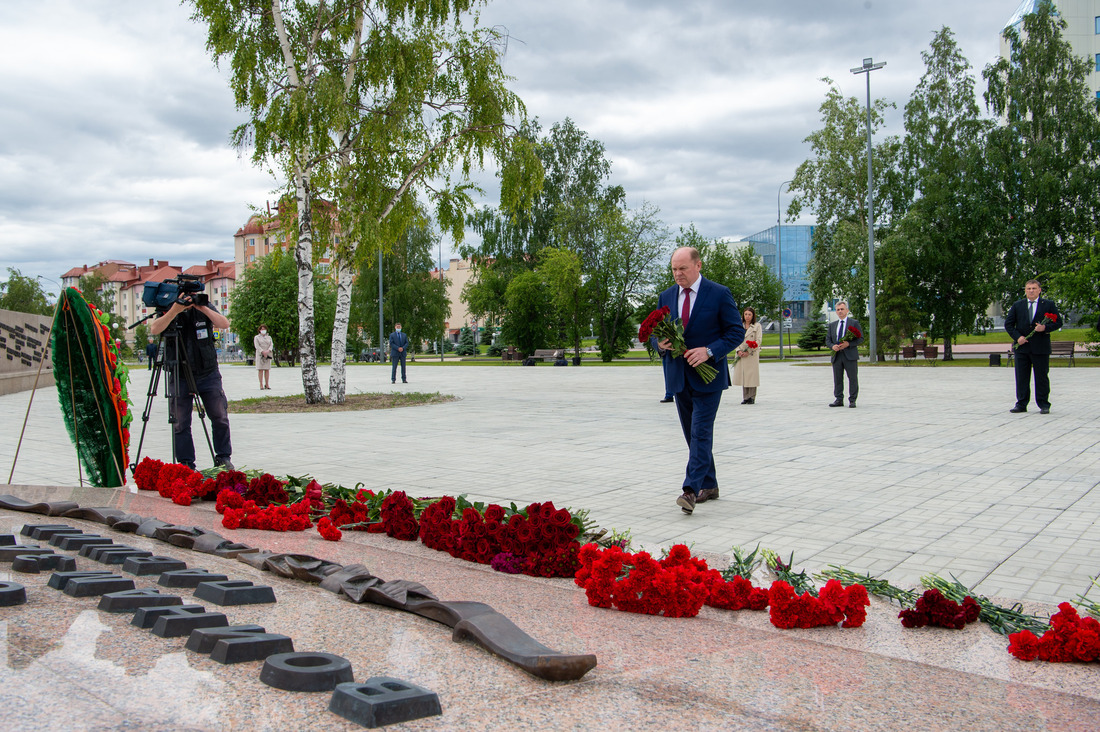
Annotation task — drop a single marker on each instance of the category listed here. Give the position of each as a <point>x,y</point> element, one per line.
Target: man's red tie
<point>687,307</point>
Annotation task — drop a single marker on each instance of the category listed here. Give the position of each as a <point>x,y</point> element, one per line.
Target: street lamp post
<point>779,262</point>
<point>381,333</point>
<point>867,67</point>
<point>442,289</point>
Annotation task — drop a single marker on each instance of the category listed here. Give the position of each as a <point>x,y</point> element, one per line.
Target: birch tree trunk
<point>337,379</point>
<point>303,256</point>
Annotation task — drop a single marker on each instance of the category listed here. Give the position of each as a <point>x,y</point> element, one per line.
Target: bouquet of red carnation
<point>934,609</point>
<point>660,325</point>
<point>752,344</point>
<point>852,334</point>
<point>1070,638</point>
<point>1048,318</point>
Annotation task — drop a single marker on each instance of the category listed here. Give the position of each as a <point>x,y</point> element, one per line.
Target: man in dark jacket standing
<point>1029,322</point>
<point>399,347</point>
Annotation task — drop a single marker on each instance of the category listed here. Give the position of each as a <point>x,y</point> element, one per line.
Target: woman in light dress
<point>265,349</point>
<point>746,372</point>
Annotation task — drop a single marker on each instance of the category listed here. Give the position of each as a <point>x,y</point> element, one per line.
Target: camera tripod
<point>174,367</point>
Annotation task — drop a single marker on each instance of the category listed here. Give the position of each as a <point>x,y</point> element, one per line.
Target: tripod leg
<point>199,400</point>
<point>157,365</point>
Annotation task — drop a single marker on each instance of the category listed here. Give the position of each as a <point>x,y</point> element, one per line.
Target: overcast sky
<point>114,122</point>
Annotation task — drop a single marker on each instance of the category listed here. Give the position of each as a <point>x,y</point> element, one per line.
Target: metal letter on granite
<point>11,594</point>
<point>306,671</point>
<point>382,700</point>
<point>238,643</point>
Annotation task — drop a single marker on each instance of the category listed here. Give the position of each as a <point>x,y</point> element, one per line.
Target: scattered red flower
<point>1070,638</point>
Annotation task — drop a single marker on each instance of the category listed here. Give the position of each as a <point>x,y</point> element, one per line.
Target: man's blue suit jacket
<point>398,340</point>
<point>715,323</point>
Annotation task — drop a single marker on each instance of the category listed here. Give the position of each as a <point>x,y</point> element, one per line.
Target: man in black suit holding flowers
<point>843,338</point>
<point>1029,322</point>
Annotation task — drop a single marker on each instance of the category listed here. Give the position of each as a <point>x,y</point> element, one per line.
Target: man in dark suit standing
<point>399,348</point>
<point>845,356</point>
<point>1029,322</point>
<point>712,329</point>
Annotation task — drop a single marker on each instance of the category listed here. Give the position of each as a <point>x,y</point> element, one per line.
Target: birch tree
<point>369,103</point>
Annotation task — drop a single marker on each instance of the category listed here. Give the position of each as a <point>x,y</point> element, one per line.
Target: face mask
<point>398,329</point>
<point>263,331</point>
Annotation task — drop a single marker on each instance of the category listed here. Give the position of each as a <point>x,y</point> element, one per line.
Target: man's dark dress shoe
<point>686,502</point>
<point>852,405</point>
<point>837,403</point>
<point>666,401</point>
<point>1017,410</point>
<point>707,494</point>
<point>1044,410</point>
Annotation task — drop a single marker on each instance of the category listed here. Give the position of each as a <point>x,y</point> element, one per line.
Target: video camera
<point>184,289</point>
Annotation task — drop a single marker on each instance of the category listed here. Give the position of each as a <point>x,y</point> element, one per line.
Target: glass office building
<point>797,248</point>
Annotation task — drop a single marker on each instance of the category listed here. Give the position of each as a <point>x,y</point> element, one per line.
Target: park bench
<point>1063,348</point>
<point>541,354</point>
<point>1057,348</point>
<point>919,347</point>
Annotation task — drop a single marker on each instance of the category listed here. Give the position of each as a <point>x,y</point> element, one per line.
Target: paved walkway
<point>931,474</point>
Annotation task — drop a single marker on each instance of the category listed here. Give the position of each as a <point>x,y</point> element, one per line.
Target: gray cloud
<point>114,122</point>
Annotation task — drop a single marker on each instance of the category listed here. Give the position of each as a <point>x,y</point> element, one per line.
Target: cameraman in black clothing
<point>196,321</point>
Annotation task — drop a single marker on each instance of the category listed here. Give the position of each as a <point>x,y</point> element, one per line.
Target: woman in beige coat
<point>746,372</point>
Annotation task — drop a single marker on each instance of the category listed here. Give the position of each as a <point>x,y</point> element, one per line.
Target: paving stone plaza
<point>931,474</point>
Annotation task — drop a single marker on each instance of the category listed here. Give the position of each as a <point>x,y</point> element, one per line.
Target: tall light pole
<point>779,261</point>
<point>442,289</point>
<point>868,66</point>
<point>381,332</point>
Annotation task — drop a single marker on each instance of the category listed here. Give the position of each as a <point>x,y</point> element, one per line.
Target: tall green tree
<point>267,293</point>
<point>631,248</point>
<point>369,103</point>
<point>24,294</point>
<point>561,270</point>
<point>411,295</point>
<point>895,311</point>
<point>527,313</point>
<point>944,240</point>
<point>1045,154</point>
<point>573,210</point>
<point>833,185</point>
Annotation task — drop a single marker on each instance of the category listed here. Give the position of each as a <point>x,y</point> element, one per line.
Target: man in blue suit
<point>399,347</point>
<point>712,329</point>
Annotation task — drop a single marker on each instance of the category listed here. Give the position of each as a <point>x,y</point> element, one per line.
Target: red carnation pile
<point>544,539</point>
<point>638,583</point>
<point>397,517</point>
<point>676,586</point>
<point>327,530</point>
<point>737,594</point>
<point>294,517</point>
<point>176,482</point>
<point>1070,638</point>
<point>935,609</point>
<point>266,489</point>
<point>835,603</point>
<point>344,514</point>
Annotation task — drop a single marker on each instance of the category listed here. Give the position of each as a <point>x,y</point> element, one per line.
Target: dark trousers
<point>1026,363</point>
<point>843,366</point>
<point>697,410</point>
<point>396,358</point>
<point>209,389</point>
